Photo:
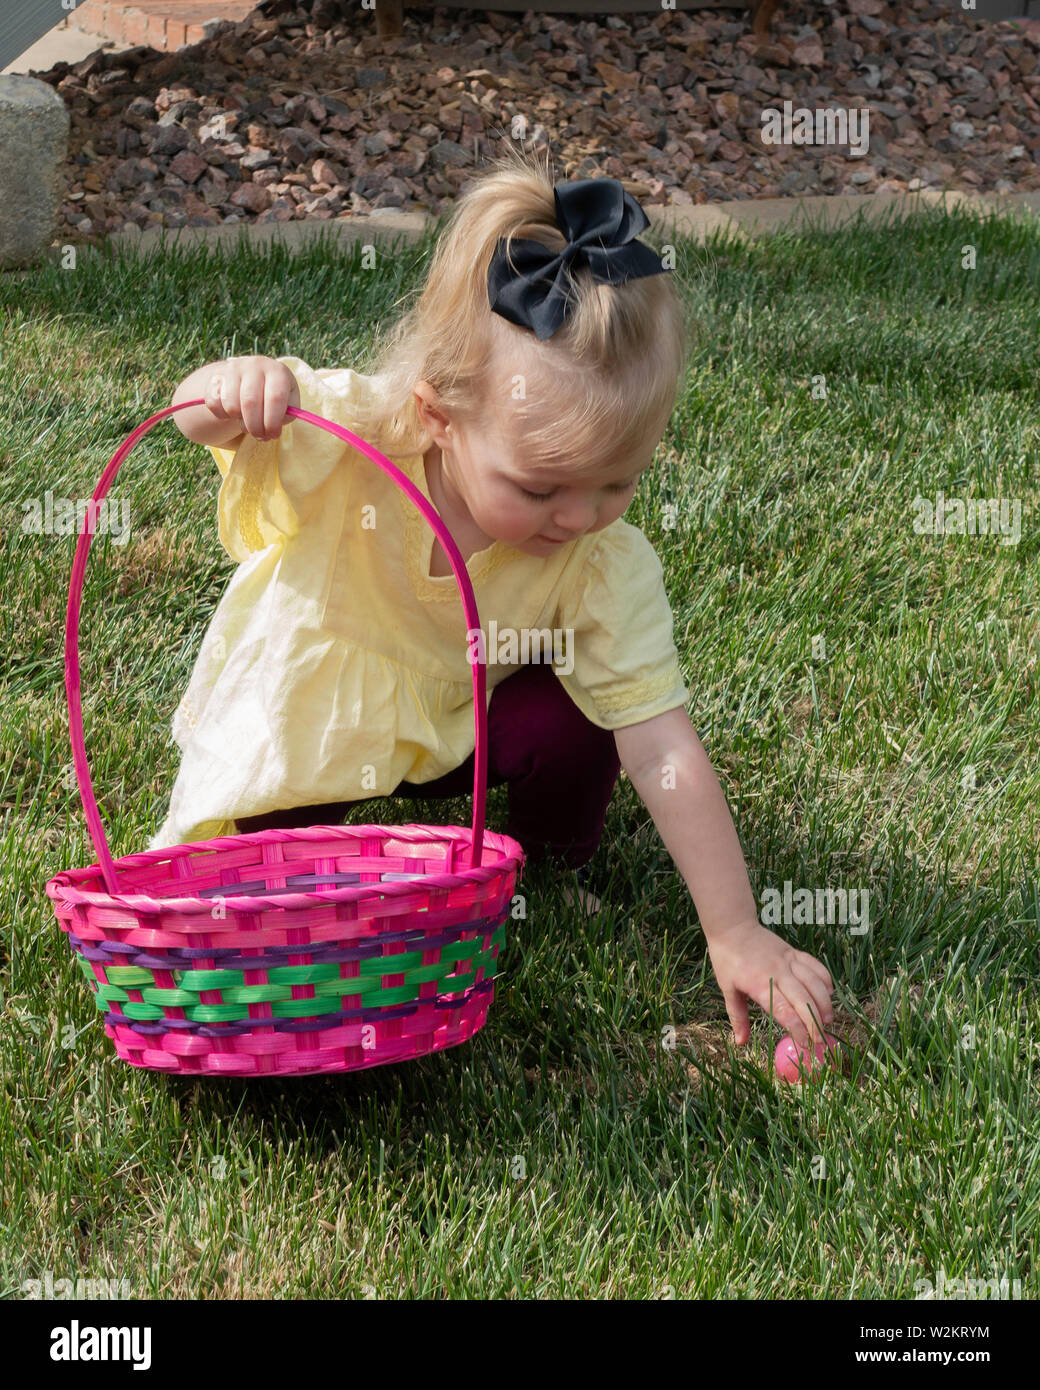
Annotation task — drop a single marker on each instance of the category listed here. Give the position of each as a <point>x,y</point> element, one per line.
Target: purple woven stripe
<point>288,1025</point>
<point>234,1030</point>
<point>91,952</point>
<point>259,888</point>
<point>121,948</point>
<point>227,958</point>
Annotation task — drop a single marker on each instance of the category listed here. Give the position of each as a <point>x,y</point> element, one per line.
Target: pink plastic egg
<point>789,1056</point>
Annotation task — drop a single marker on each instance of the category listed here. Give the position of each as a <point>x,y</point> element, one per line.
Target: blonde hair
<point>605,383</point>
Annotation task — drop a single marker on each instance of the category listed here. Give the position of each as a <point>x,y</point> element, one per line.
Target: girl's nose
<point>575,513</point>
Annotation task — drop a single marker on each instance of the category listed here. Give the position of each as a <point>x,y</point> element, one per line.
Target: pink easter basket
<point>289,952</point>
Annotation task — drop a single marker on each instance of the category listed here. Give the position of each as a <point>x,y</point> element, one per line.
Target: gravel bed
<point>306,113</point>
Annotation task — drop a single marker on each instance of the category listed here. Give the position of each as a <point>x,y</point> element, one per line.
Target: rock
<point>450,153</point>
<point>298,145</point>
<point>189,167</point>
<point>984,106</point>
<point>220,127</point>
<point>281,210</point>
<point>324,172</point>
<point>617,78</point>
<point>127,173</point>
<point>773,55</point>
<point>90,65</point>
<point>253,197</point>
<point>34,133</point>
<point>169,140</point>
<point>257,159</point>
<point>213,187</point>
<point>728,106</point>
<point>808,52</point>
<point>140,106</point>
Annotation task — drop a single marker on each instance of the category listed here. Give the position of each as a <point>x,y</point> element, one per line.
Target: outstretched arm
<point>667,765</point>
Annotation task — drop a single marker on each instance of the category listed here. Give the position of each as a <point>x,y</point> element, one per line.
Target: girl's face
<point>532,510</point>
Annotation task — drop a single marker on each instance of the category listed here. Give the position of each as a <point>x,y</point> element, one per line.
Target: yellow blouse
<point>336,667</point>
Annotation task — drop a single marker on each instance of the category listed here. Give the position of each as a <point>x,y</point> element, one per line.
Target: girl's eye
<point>541,496</point>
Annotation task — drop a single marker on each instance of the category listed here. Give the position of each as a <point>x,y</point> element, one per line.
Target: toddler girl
<point>524,394</point>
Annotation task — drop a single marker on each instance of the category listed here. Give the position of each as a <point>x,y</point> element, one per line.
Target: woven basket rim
<point>62,886</point>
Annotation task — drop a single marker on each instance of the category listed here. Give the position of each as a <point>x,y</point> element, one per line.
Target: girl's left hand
<point>746,956</point>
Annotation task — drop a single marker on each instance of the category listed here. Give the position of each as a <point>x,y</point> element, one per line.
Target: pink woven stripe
<point>63,890</point>
<point>336,1049</point>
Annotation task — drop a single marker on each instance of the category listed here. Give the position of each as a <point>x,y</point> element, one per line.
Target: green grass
<point>565,1151</point>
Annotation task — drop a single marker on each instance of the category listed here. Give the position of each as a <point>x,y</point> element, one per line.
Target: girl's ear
<point>432,418</point>
<point>425,401</point>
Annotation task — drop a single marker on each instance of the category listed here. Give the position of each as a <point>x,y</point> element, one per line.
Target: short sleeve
<point>625,665</point>
<point>270,488</point>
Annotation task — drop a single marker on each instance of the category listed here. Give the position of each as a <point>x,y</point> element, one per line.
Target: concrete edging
<point>741,219</point>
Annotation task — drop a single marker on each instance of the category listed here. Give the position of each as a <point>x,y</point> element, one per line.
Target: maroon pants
<point>560,769</point>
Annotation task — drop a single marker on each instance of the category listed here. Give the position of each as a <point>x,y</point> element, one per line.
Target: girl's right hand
<point>255,390</point>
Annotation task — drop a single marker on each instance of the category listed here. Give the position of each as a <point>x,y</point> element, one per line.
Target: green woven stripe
<point>198,980</point>
<point>129,975</point>
<point>229,981</point>
<point>302,974</point>
<point>304,1008</point>
<point>330,989</point>
<point>251,994</point>
<point>212,1013</point>
<point>133,1009</point>
<point>110,992</point>
<point>170,998</point>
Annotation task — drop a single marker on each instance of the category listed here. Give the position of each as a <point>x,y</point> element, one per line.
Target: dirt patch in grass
<point>155,555</point>
<point>711,1039</point>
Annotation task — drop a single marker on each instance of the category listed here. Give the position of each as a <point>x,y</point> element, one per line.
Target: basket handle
<point>79,565</point>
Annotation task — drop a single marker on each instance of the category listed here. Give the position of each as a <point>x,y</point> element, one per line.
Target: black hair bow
<point>600,221</point>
